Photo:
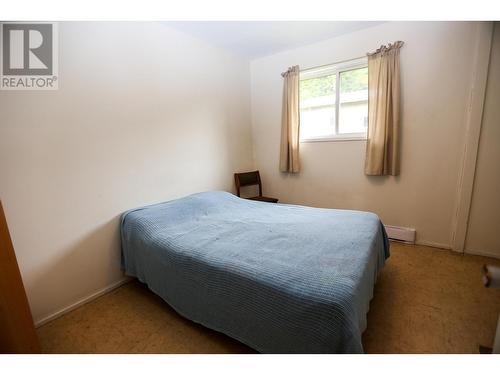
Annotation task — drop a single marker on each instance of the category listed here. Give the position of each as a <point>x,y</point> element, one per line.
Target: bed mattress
<point>279,278</point>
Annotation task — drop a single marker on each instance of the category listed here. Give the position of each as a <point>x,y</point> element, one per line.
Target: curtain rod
<point>385,48</point>
<point>324,65</point>
<point>396,44</point>
<point>335,63</point>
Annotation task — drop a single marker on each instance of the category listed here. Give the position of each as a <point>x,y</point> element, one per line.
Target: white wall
<point>436,63</point>
<point>143,114</point>
<point>484,220</point>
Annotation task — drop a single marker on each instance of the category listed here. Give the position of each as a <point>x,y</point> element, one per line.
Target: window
<point>334,101</point>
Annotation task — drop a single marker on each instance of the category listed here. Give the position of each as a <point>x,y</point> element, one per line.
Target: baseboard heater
<point>406,235</point>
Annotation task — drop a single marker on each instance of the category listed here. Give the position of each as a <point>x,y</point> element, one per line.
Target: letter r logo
<point>27,49</point>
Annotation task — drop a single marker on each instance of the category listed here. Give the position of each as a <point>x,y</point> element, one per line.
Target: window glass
<point>353,112</point>
<point>317,106</point>
<point>319,89</point>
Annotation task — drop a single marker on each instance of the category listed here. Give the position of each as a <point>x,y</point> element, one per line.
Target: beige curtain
<point>290,118</point>
<point>382,156</point>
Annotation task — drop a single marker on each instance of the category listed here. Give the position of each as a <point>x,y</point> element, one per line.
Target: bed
<point>279,278</point>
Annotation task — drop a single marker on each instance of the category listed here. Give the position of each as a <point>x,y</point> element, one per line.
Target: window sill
<point>334,139</point>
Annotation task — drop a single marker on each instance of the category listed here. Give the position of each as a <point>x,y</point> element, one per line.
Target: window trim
<point>330,69</point>
<point>338,138</point>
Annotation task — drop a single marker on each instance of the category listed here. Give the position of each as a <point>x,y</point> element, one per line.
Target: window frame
<point>336,69</point>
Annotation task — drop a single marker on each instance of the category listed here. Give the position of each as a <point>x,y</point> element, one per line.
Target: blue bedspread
<point>279,278</point>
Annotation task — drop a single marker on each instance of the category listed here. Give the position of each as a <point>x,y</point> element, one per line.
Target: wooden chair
<point>249,179</point>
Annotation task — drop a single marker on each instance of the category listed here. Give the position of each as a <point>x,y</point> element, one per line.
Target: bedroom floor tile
<point>426,300</point>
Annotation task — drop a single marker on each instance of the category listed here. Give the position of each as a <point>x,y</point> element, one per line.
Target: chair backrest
<point>247,179</point>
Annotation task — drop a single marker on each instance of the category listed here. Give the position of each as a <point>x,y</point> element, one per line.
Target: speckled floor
<point>426,301</point>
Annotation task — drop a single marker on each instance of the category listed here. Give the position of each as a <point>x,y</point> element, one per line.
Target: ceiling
<point>253,39</point>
